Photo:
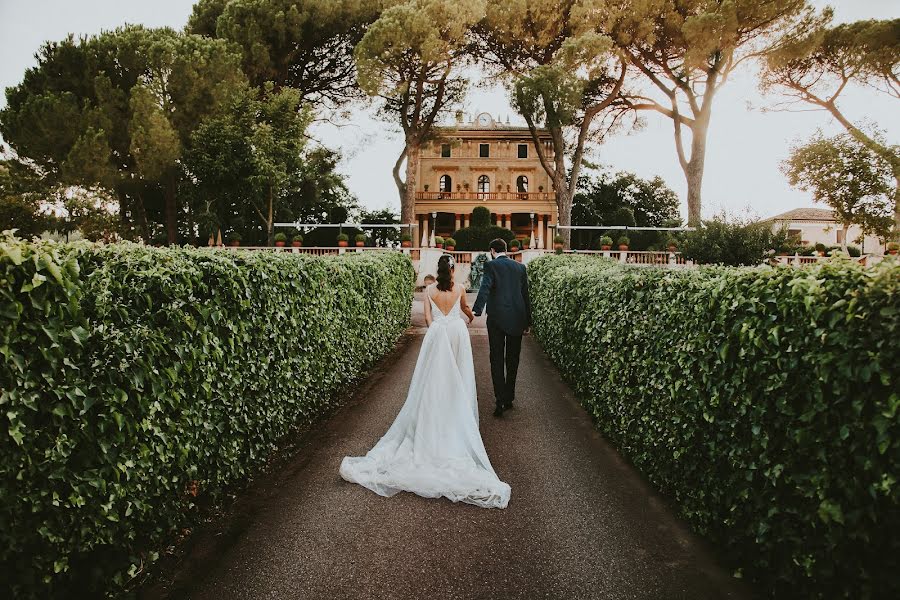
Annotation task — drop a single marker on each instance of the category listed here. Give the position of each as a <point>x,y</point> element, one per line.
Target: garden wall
<point>138,381</point>
<point>763,402</point>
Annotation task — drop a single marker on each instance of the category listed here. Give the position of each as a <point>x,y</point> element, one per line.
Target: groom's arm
<point>487,282</point>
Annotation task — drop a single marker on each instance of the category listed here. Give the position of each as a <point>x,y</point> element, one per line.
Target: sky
<point>746,144</point>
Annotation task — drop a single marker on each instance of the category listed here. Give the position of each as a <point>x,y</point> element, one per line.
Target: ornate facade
<point>484,163</point>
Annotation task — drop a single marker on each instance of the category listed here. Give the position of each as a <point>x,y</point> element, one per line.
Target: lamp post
<point>531,240</point>
<point>433,228</point>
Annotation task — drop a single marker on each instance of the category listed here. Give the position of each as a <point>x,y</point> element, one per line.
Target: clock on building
<point>485,119</point>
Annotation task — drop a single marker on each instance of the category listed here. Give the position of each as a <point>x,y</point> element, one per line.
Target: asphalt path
<point>581,522</point>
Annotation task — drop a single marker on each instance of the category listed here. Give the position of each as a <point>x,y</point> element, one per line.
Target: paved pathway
<point>580,524</point>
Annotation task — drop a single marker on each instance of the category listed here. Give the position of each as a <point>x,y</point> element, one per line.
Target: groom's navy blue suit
<point>504,289</point>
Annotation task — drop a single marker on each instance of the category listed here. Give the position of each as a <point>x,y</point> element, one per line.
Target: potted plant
<point>526,242</point>
<point>234,239</point>
<point>514,245</point>
<point>280,240</point>
<point>406,240</point>
<point>893,248</point>
<point>606,242</point>
<point>623,243</point>
<point>450,244</point>
<point>297,240</point>
<point>558,243</point>
<point>672,244</point>
<point>343,239</point>
<point>820,249</point>
<point>360,240</point>
<point>438,241</point>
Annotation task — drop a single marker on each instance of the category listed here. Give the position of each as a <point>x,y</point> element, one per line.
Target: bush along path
<point>762,401</point>
<point>138,381</point>
<point>580,524</point>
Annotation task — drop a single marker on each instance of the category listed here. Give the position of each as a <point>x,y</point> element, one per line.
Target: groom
<point>504,288</point>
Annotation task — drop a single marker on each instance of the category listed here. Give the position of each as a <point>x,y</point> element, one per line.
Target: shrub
<point>479,237</point>
<point>624,241</point>
<point>820,247</point>
<point>481,216</point>
<point>343,237</point>
<point>605,241</point>
<point>438,240</point>
<point>450,242</point>
<point>234,236</point>
<point>280,237</point>
<point>297,237</point>
<point>360,237</point>
<point>559,239</point>
<point>763,402</point>
<point>405,238</point>
<point>136,377</point>
<point>729,243</point>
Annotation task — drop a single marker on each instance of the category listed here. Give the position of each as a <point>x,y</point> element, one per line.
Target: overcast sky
<point>746,144</point>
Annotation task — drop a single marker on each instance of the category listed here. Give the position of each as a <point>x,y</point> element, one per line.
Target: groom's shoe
<point>508,405</point>
<point>498,412</point>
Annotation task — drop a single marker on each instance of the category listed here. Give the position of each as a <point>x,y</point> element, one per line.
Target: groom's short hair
<point>498,245</point>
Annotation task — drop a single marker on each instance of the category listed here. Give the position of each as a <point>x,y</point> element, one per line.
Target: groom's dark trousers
<point>504,291</point>
<point>505,351</point>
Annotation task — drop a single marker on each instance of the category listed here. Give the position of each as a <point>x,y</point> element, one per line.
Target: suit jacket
<point>504,289</point>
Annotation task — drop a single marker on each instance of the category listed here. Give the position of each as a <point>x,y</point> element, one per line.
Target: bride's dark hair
<point>444,277</point>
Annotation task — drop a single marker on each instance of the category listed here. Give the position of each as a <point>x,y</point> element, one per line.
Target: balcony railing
<point>525,196</point>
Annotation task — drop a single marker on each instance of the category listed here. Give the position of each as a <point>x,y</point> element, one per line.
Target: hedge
<point>762,402</point>
<point>138,382</point>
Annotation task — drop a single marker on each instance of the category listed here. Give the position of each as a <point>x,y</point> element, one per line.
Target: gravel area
<point>581,522</point>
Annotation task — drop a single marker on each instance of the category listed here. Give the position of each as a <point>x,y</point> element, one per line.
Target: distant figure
<point>429,279</point>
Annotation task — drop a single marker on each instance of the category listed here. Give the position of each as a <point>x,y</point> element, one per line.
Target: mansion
<point>484,163</point>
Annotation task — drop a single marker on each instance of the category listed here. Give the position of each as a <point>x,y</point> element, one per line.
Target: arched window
<point>445,184</point>
<point>522,184</point>
<point>484,184</point>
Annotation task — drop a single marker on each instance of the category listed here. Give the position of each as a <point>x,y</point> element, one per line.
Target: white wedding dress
<point>434,447</point>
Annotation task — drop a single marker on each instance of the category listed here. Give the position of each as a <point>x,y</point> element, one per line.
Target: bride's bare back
<point>445,300</point>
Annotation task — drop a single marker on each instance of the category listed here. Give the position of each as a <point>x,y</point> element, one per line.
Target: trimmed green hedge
<point>762,401</point>
<point>137,381</point>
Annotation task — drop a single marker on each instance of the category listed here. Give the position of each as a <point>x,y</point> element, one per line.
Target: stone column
<point>458,220</point>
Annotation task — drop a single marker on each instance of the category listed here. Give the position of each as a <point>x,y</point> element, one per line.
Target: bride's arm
<point>464,306</point>
<point>427,306</point>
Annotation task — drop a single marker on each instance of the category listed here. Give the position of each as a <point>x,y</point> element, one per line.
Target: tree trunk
<point>171,209</point>
<point>401,187</point>
<point>192,234</point>
<point>564,205</point>
<point>408,198</point>
<point>896,233</point>
<point>846,228</point>
<point>270,222</point>
<point>143,225</point>
<point>694,170</point>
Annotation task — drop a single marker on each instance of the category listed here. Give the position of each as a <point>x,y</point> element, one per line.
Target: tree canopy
<point>624,199</point>
<point>846,175</point>
<point>563,78</point>
<point>816,64</point>
<point>304,44</point>
<point>410,59</point>
<point>116,110</point>
<point>685,52</point>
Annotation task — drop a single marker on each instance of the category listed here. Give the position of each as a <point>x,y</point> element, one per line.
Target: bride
<point>434,447</point>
